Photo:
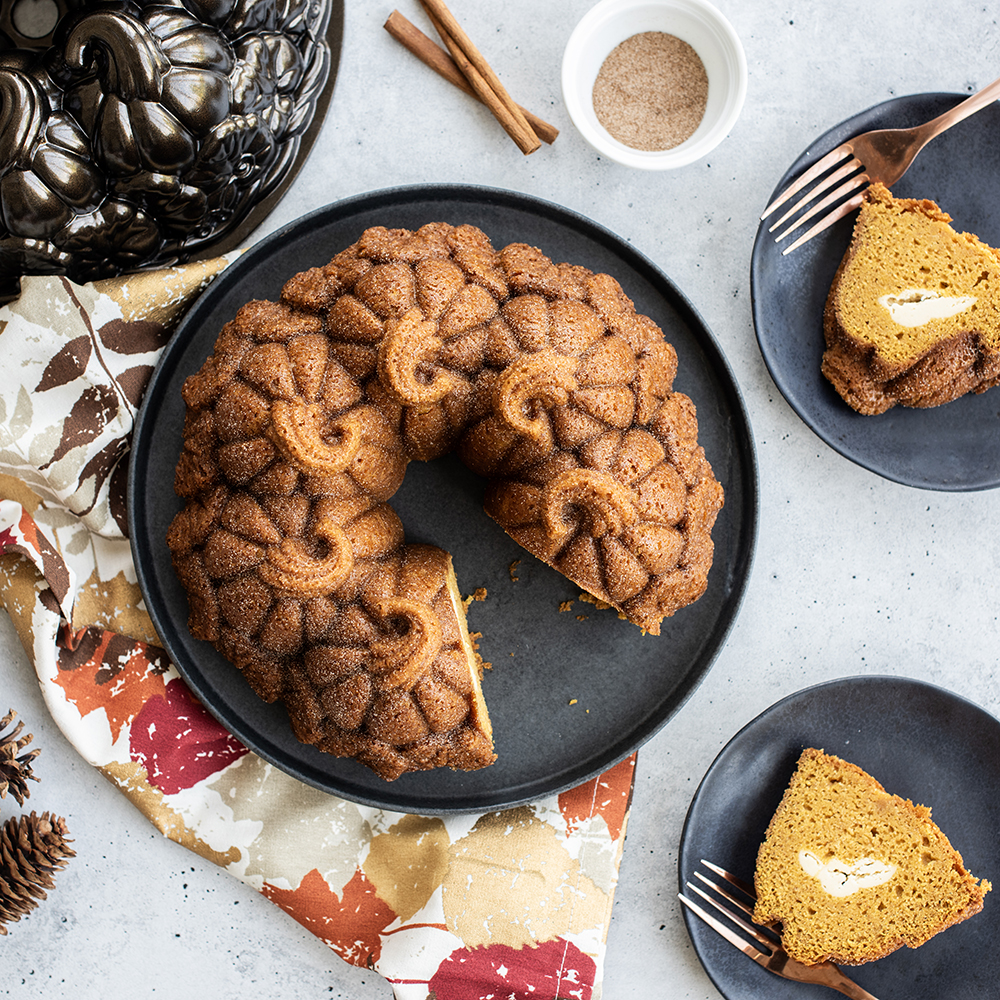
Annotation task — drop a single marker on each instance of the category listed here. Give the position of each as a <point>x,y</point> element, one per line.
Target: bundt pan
<point>140,134</point>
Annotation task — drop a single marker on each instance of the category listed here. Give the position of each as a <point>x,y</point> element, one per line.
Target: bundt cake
<point>913,315</point>
<point>407,345</point>
<point>851,873</point>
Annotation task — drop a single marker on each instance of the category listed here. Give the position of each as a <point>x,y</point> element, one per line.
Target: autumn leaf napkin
<point>512,904</point>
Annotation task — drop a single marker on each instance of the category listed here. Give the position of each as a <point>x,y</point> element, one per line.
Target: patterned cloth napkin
<point>504,904</point>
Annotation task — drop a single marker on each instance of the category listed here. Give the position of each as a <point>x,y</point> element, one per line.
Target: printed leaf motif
<point>136,337</point>
<point>555,969</point>
<point>100,467</point>
<point>117,492</point>
<point>40,551</point>
<point>607,795</point>
<point>110,672</point>
<point>178,742</point>
<point>512,881</point>
<point>91,413</point>
<point>407,863</point>
<point>68,364</point>
<point>133,382</point>
<point>351,925</point>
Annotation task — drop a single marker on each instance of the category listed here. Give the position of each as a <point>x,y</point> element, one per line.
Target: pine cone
<point>15,770</point>
<point>32,849</point>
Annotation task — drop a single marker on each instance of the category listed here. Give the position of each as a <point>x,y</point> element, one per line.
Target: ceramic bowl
<point>696,22</point>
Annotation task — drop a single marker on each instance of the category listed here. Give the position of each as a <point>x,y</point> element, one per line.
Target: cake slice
<point>913,315</point>
<point>851,873</point>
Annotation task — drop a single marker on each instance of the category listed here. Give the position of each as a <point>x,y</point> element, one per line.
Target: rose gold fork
<point>882,155</point>
<point>771,955</point>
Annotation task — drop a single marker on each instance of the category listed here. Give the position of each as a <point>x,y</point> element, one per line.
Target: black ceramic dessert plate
<point>922,743</point>
<point>950,447</point>
<point>570,692</point>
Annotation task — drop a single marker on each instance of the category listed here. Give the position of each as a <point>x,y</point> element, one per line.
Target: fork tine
<point>751,929</point>
<point>827,221</point>
<point>831,199</point>
<point>744,887</point>
<point>818,168</point>
<point>853,165</point>
<point>717,925</point>
<point>748,910</point>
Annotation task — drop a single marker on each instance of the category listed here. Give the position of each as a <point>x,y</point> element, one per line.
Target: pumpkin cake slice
<point>913,314</point>
<point>852,873</point>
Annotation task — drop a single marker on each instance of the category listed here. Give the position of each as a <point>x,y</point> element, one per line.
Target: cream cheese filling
<point>841,879</point>
<point>917,306</point>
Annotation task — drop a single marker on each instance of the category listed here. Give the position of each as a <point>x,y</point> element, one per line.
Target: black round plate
<point>950,447</point>
<point>625,685</point>
<point>922,743</point>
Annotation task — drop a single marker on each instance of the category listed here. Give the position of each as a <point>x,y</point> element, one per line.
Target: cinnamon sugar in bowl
<point>654,84</point>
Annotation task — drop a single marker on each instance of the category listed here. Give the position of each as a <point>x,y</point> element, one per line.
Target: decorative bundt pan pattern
<point>140,134</point>
<point>541,377</point>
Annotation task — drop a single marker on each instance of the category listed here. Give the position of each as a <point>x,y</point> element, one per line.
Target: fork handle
<point>969,106</point>
<point>838,981</point>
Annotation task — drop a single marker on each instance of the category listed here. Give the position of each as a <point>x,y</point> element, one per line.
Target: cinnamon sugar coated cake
<point>407,345</point>
<point>852,873</point>
<point>913,315</point>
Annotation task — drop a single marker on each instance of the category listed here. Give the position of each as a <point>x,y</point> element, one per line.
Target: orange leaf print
<point>608,795</point>
<point>351,925</point>
<point>105,670</point>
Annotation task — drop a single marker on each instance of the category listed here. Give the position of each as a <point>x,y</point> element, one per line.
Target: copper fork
<point>770,954</point>
<point>882,155</point>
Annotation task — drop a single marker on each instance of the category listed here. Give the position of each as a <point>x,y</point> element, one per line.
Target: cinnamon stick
<point>431,54</point>
<point>480,75</point>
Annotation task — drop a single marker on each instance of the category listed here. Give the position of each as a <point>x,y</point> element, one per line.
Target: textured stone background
<point>853,574</point>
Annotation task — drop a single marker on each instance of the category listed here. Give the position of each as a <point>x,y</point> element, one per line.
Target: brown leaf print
<point>91,413</point>
<point>68,364</point>
<point>117,492</point>
<point>133,382</point>
<point>137,337</point>
<point>100,466</point>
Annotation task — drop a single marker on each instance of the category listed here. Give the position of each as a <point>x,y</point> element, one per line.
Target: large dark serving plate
<point>569,697</point>
<point>921,742</point>
<point>950,447</point>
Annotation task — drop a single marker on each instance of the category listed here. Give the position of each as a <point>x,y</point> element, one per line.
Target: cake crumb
<point>582,618</point>
<point>573,701</point>
<point>479,594</point>
<point>565,606</point>
<point>512,570</point>
<point>601,605</point>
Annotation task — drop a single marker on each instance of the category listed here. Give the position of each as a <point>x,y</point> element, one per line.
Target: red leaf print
<point>351,926</point>
<point>555,970</point>
<point>69,363</point>
<point>608,795</point>
<point>178,742</point>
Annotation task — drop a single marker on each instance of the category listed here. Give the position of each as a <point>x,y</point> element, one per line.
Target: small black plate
<point>626,685</point>
<point>951,447</point>
<point>922,743</point>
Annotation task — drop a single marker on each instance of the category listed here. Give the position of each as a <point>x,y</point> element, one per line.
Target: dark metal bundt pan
<point>140,134</point>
